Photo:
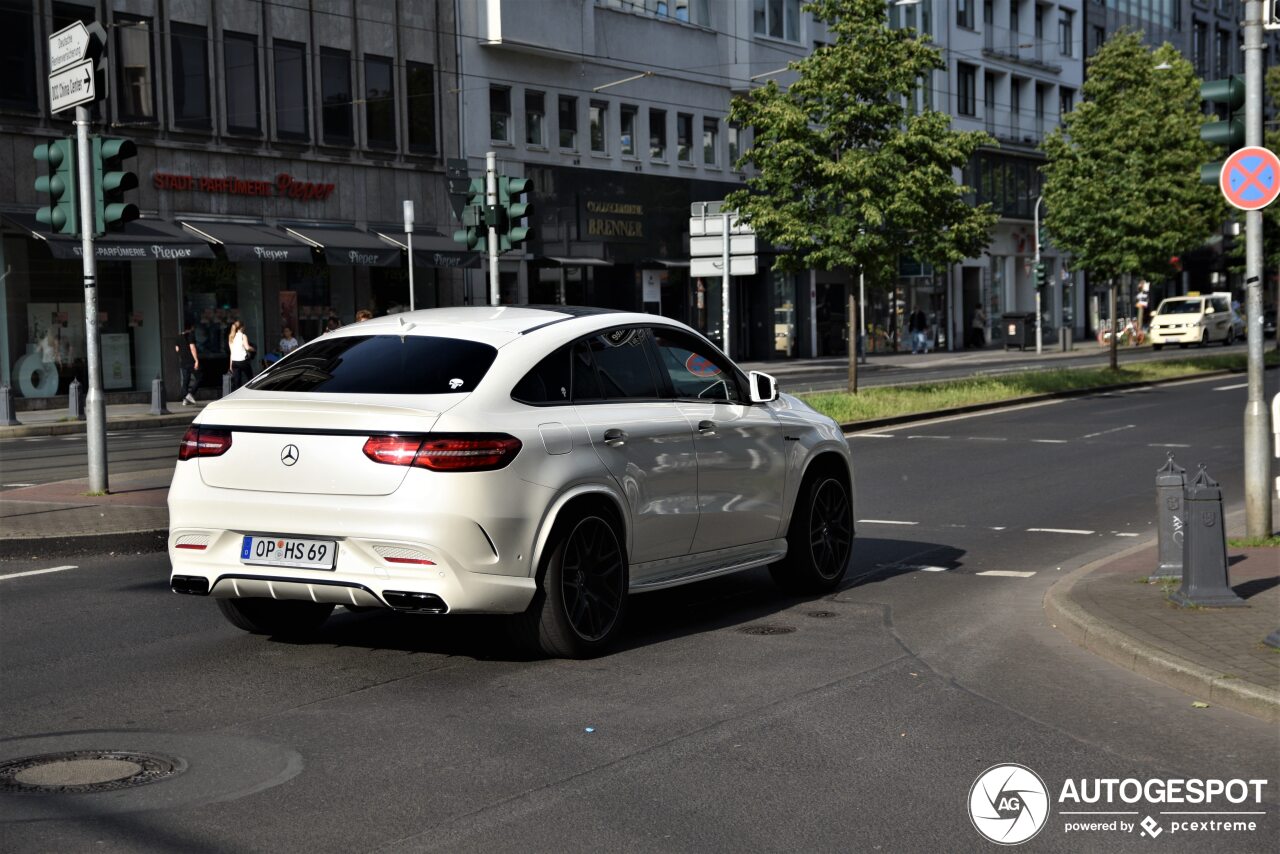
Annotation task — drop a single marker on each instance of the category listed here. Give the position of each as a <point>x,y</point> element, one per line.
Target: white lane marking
<point>997,527</point>
<point>1006,573</point>
<point>1105,432</point>
<point>36,572</point>
<point>1230,387</point>
<point>928,437</point>
<point>874,435</point>
<point>1124,534</point>
<point>933,569</point>
<point>1050,441</point>
<point>987,438</point>
<point>884,522</point>
<point>1168,445</point>
<point>7,485</point>
<point>1059,531</point>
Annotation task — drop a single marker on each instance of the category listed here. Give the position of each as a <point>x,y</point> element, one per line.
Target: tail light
<point>203,442</point>
<point>472,452</point>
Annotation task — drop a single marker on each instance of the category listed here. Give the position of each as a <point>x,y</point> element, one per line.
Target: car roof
<point>496,325</point>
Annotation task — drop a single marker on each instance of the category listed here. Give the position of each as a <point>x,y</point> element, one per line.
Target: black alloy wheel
<point>591,579</point>
<point>830,531</point>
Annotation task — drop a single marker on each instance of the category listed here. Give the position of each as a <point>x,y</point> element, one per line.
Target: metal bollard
<point>8,416</point>
<point>1171,480</point>
<point>227,380</point>
<point>75,401</point>
<point>1204,548</point>
<point>157,397</point>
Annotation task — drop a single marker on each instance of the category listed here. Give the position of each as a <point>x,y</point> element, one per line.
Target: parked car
<point>1193,319</point>
<point>541,462</point>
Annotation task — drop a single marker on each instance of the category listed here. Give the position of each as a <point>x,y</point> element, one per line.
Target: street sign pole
<point>408,231</point>
<point>1039,331</point>
<point>1257,419</point>
<point>491,198</point>
<point>724,283</point>
<point>95,405</point>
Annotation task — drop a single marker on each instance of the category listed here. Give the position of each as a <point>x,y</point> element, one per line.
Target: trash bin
<point>1019,330</point>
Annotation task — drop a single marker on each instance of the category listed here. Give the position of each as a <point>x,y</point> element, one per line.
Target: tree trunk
<point>1115,326</point>
<point>854,329</point>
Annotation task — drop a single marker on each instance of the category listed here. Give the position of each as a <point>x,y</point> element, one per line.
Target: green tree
<point>1122,188</point>
<point>847,177</point>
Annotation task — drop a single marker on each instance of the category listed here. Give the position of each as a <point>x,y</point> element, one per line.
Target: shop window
<point>335,90</point>
<point>684,137</point>
<point>499,114</point>
<point>240,67</point>
<point>658,134</point>
<point>568,122</point>
<point>17,57</point>
<point>189,75</point>
<point>135,82</point>
<point>421,80</point>
<point>535,116</point>
<point>599,118</point>
<point>291,90</point>
<point>710,141</point>
<point>379,103</point>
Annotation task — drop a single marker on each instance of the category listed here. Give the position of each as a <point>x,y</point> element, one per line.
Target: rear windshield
<point>1182,306</point>
<point>380,364</point>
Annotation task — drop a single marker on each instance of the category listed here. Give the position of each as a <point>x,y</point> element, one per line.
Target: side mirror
<point>764,388</point>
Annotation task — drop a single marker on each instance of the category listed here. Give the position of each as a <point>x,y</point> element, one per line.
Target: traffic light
<point>57,181</point>
<point>1042,274</point>
<point>511,198</point>
<point>459,185</point>
<point>474,232</point>
<point>111,181</point>
<point>1228,131</point>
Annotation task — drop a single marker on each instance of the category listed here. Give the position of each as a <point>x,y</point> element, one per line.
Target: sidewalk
<point>120,416</point>
<point>1215,655</point>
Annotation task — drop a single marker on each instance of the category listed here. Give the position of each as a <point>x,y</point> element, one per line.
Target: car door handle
<point>615,438</point>
<point>707,428</point>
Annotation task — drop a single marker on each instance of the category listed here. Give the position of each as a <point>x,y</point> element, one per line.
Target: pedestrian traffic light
<point>459,186</point>
<point>474,232</point>
<point>1042,274</point>
<point>56,182</point>
<point>511,197</point>
<point>111,180</point>
<point>1227,130</point>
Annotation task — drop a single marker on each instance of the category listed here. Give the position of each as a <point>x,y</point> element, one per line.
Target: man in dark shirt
<point>188,363</point>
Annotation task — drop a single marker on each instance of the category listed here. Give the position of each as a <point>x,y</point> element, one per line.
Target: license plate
<point>288,551</point>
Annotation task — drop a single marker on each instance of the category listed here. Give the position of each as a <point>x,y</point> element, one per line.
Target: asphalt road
<point>858,722</point>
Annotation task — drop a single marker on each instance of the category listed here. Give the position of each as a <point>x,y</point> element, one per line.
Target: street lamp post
<point>1036,267</point>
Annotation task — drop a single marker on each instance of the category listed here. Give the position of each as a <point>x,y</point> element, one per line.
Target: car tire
<point>1204,339</point>
<point>820,537</point>
<point>581,601</point>
<point>283,617</point>
<point>1230,339</point>
<point>1157,347</point>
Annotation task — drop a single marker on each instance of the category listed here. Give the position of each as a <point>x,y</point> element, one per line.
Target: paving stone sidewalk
<point>1216,655</point>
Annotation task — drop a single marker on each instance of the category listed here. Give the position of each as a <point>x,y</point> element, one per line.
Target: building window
<point>1224,52</point>
<point>18,57</point>
<point>1098,40</point>
<point>710,141</point>
<point>379,102</point>
<point>735,145</point>
<point>290,61</point>
<point>777,18</point>
<point>421,80</point>
<point>240,58</point>
<point>599,118</point>
<point>964,13</point>
<point>684,137</point>
<point>1199,47</point>
<point>135,84</point>
<point>967,89</point>
<point>535,114</point>
<point>627,139</point>
<point>335,89</point>
<point>189,76</point>
<point>1065,17</point>
<point>1066,101</point>
<point>568,122</point>
<point>658,134</point>
<point>499,114</point>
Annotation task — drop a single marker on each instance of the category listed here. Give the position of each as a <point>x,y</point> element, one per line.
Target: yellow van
<point>1193,319</point>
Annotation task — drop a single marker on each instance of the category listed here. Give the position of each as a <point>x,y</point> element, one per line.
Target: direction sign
<point>68,45</point>
<point>701,226</point>
<point>71,86</point>
<point>739,244</point>
<point>1250,178</point>
<point>739,265</point>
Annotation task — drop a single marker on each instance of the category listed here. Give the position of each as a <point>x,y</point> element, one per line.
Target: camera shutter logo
<point>1008,804</point>
<point>289,454</point>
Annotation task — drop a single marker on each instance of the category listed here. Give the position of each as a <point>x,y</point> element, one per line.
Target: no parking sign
<point>1250,178</point>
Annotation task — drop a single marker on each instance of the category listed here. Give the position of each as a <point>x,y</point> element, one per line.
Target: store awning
<point>348,247</point>
<point>251,242</point>
<point>140,240</point>
<point>669,263</point>
<point>434,250</point>
<point>577,262</point>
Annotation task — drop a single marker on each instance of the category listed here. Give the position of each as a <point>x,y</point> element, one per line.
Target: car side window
<point>623,368</point>
<point>547,382</point>
<point>696,370</point>
<point>1220,304</point>
<point>586,386</point>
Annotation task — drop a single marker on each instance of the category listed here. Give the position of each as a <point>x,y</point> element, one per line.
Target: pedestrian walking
<point>241,367</point>
<point>918,326</point>
<point>188,362</point>
<point>978,327</point>
<point>288,343</point>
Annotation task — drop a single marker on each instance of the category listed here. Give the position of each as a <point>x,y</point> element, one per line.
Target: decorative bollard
<point>1171,480</point>
<point>75,401</point>
<point>8,418</point>
<point>157,397</point>
<point>227,379</point>
<point>1204,548</point>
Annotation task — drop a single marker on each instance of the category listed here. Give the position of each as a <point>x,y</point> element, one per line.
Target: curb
<point>66,428</point>
<point>141,542</point>
<point>1102,639</point>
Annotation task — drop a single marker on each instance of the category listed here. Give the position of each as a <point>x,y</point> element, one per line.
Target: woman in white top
<point>241,369</point>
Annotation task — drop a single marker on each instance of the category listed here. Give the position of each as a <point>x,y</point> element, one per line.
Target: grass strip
<point>1271,542</point>
<point>889,401</point>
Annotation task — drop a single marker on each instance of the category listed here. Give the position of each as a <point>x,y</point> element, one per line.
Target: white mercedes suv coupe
<point>543,462</point>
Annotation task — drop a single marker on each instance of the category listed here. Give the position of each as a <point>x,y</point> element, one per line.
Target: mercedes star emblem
<point>289,454</point>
